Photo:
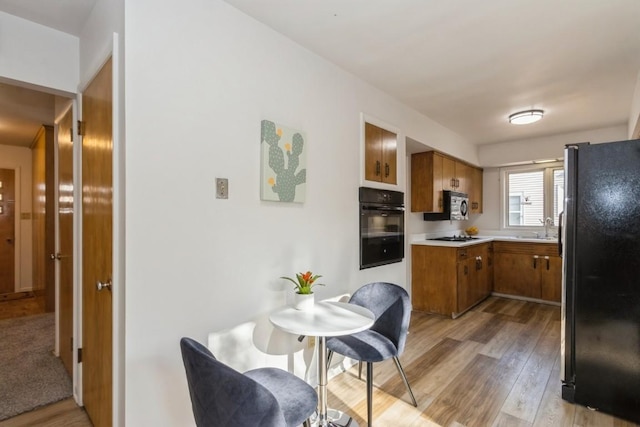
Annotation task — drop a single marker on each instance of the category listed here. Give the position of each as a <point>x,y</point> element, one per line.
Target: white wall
<point>200,77</point>
<point>37,56</point>
<point>19,159</point>
<point>527,150</point>
<point>543,148</point>
<point>634,114</point>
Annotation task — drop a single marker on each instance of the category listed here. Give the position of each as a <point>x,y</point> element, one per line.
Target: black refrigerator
<point>600,246</point>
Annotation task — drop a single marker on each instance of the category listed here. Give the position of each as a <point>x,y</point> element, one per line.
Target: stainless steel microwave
<point>455,207</point>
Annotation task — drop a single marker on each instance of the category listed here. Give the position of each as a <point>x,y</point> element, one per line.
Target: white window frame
<point>547,169</point>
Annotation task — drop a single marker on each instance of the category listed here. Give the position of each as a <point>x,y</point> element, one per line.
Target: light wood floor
<point>11,307</point>
<point>497,365</point>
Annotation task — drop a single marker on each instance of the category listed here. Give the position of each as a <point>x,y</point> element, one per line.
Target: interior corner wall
<point>200,76</point>
<point>19,158</point>
<point>38,56</point>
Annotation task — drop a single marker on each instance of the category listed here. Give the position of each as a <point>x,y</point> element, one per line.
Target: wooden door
<point>389,154</point>
<point>372,150</point>
<point>448,174</point>
<point>465,285</point>
<point>551,278</point>
<point>475,190</point>
<point>7,231</point>
<point>462,177</point>
<point>515,274</point>
<point>65,233</point>
<point>97,225</point>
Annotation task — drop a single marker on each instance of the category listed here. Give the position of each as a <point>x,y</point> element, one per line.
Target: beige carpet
<point>30,374</point>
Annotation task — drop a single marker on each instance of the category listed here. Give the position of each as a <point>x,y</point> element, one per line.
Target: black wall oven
<point>381,227</point>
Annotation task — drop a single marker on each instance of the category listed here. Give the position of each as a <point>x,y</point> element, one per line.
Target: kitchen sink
<point>536,237</point>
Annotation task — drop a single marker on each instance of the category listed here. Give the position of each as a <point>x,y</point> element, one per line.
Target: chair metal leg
<point>369,394</point>
<point>404,378</point>
<point>359,369</point>
<point>306,423</point>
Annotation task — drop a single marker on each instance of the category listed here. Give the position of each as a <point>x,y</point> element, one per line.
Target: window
<point>532,194</point>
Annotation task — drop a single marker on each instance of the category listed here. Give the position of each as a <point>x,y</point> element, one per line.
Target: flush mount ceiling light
<point>525,117</point>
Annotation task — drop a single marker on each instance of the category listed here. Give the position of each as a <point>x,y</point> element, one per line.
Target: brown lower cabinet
<point>448,280</point>
<point>532,270</point>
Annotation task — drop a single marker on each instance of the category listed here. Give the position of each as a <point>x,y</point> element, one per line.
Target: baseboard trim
<point>538,300</point>
<point>16,295</point>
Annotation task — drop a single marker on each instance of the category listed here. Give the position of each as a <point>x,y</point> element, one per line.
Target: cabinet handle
<point>386,170</point>
<point>466,270</point>
<point>535,261</point>
<point>457,183</point>
<point>547,258</point>
<point>377,167</point>
<point>452,182</point>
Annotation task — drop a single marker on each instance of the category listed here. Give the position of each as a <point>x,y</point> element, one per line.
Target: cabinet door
<point>389,163</point>
<point>516,274</point>
<point>551,278</point>
<point>465,288</point>
<point>380,154</point>
<point>474,188</point>
<point>426,182</point>
<point>448,174</point>
<point>462,178</point>
<point>372,152</point>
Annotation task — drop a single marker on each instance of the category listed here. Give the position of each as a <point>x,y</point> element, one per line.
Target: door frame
<point>17,236</point>
<point>76,249</point>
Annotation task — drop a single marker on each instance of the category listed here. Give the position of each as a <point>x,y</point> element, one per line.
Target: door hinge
<point>79,355</point>
<point>80,127</point>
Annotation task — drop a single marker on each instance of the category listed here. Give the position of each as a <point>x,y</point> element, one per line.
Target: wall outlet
<point>222,188</point>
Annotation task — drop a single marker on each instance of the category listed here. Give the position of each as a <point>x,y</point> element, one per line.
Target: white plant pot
<point>303,301</point>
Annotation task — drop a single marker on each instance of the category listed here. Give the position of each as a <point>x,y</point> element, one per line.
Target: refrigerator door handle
<point>560,219</point>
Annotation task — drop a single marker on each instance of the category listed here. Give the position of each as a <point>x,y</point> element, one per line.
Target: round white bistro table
<point>326,319</point>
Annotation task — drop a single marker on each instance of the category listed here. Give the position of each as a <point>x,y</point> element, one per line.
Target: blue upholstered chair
<point>385,339</point>
<point>222,396</point>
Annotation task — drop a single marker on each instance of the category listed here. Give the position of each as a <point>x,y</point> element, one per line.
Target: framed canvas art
<point>284,165</point>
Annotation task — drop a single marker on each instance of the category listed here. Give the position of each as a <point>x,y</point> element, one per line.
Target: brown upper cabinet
<point>380,154</point>
<point>432,172</point>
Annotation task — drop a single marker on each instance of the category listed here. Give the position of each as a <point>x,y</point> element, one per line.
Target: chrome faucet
<point>548,222</point>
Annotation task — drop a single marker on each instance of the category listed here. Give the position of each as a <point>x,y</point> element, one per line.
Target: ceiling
<point>466,64</point>
<point>24,110</point>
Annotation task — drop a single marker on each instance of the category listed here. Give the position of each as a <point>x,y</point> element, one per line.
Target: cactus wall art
<point>284,172</point>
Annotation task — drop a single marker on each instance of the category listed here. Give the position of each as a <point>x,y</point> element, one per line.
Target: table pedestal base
<point>335,418</point>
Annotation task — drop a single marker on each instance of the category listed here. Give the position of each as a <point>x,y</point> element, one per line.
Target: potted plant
<point>304,283</point>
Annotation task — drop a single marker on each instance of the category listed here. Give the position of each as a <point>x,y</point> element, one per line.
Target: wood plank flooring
<point>497,365</point>
<point>16,305</point>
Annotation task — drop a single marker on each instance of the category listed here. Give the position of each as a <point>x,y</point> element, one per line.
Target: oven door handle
<point>383,209</point>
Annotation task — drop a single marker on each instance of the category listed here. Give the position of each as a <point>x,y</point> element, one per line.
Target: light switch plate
<point>222,188</point>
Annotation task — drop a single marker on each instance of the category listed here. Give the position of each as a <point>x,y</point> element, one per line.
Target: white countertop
<point>421,240</point>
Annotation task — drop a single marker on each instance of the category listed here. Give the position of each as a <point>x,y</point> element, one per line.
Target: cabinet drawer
<point>550,249</point>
